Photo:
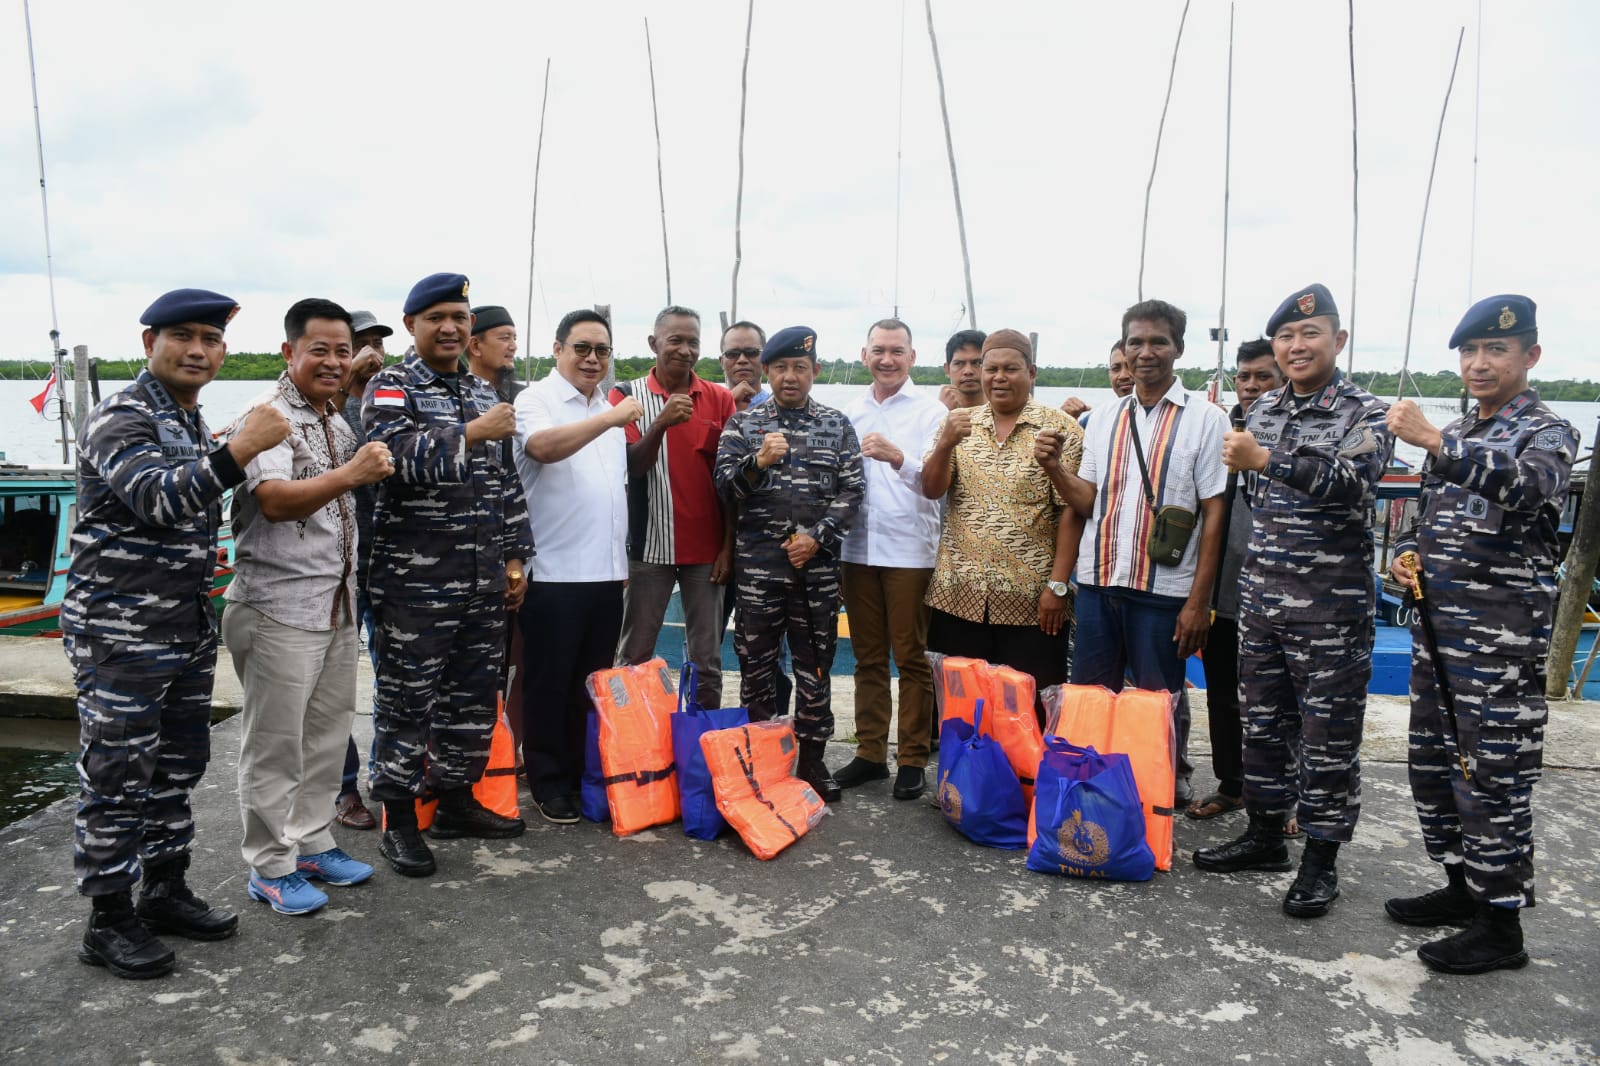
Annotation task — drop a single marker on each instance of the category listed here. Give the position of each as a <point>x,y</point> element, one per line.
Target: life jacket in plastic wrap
<point>752,773</point>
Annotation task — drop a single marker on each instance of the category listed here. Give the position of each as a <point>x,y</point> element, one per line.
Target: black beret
<point>190,305</point>
<point>436,289</point>
<point>490,316</point>
<point>793,340</point>
<point>1310,302</point>
<point>1498,316</point>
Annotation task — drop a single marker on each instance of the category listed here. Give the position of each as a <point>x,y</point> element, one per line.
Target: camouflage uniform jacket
<point>149,505</point>
<point>816,488</point>
<point>449,517</point>
<point>1486,527</point>
<point>1311,509</point>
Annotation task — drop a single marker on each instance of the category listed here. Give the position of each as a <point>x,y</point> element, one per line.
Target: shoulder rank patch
<point>1549,440</point>
<point>1359,441</point>
<point>390,397</point>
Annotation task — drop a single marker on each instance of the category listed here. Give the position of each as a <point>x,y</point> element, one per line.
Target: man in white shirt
<point>888,559</point>
<point>1140,612</point>
<point>572,455</point>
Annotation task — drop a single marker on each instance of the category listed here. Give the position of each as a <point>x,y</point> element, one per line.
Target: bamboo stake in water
<point>1416,273</point>
<point>1172,73</point>
<point>533,226</point>
<point>738,197</point>
<point>661,188</point>
<point>955,183</point>
<point>1355,198</point>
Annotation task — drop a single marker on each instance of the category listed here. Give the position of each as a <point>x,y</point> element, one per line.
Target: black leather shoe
<point>461,815</point>
<point>1260,847</point>
<point>859,771</point>
<point>1315,887</point>
<point>558,810</point>
<point>1492,942</point>
<point>1442,906</point>
<point>909,782</point>
<point>814,771</point>
<point>166,905</point>
<point>124,946</point>
<point>406,852</point>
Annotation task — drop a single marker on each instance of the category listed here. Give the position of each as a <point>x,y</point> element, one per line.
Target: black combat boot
<point>1492,942</point>
<point>814,771</point>
<point>1316,886</point>
<point>119,941</point>
<point>1450,905</point>
<point>1261,847</point>
<point>166,905</point>
<point>859,771</point>
<point>401,842</point>
<point>461,815</point>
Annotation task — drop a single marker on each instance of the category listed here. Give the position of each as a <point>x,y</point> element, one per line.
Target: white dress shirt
<point>897,525</point>
<point>577,508</point>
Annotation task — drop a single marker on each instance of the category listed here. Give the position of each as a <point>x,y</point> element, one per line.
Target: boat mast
<point>57,353</point>
<point>661,187</point>
<point>955,183</point>
<point>1221,332</point>
<point>533,226</point>
<point>1355,197</point>
<point>738,196</point>
<point>1172,73</point>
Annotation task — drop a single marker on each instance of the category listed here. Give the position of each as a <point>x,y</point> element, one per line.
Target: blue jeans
<point>1124,634</point>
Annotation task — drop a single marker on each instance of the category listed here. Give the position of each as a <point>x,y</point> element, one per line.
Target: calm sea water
<point>27,438</point>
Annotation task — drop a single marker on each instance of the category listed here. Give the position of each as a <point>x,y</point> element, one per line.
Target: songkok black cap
<point>190,305</point>
<point>436,289</point>
<point>793,340</point>
<point>1310,302</point>
<point>490,316</point>
<point>1498,316</point>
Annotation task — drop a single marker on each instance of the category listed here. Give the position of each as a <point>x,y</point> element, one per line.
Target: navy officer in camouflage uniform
<point>1493,486</point>
<point>1313,452</point>
<point>142,635</point>
<point>450,535</point>
<point>792,467</point>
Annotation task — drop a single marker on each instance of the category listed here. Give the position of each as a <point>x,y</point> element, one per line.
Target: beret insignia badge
<point>1307,303</point>
<point>1508,318</point>
<point>808,343</point>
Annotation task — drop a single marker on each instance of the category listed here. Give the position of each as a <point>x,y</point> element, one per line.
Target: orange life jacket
<point>635,705</point>
<point>497,788</point>
<point>1136,723</point>
<point>1008,715</point>
<point>752,774</point>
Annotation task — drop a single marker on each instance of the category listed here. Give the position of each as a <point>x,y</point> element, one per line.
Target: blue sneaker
<point>289,894</point>
<point>334,867</point>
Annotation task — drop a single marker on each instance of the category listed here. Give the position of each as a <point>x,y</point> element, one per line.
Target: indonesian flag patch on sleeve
<point>389,397</point>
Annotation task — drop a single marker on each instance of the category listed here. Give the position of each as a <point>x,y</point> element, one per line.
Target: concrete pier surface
<point>881,937</point>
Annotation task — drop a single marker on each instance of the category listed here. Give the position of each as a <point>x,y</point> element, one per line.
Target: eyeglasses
<point>745,353</point>
<point>582,349</point>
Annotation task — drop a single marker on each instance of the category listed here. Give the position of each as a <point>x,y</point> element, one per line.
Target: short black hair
<point>743,324</point>
<point>674,311</point>
<point>1157,311</point>
<point>889,325</point>
<point>1116,347</point>
<point>966,338</point>
<point>573,318</point>
<point>303,311</point>
<point>1251,350</point>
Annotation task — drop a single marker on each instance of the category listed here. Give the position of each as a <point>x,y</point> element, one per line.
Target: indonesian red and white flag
<point>388,397</point>
<point>43,399</point>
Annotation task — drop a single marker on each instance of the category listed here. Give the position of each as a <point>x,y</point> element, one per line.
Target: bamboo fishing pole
<point>533,225</point>
<point>738,197</point>
<point>661,188</point>
<point>955,182</point>
<point>1416,273</point>
<point>1172,73</point>
<point>1355,198</point>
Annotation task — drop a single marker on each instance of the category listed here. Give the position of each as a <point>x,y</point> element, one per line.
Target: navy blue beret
<point>1309,302</point>
<point>794,340</point>
<point>1498,316</point>
<point>190,305</point>
<point>436,289</point>
<point>490,316</point>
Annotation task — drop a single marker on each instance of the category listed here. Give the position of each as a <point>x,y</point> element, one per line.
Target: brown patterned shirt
<point>999,537</point>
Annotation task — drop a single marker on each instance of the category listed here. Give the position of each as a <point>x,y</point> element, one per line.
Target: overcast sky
<point>275,151</point>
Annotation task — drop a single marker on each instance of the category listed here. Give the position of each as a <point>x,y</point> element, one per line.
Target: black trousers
<point>1221,660</point>
<point>1027,648</point>
<point>569,630</point>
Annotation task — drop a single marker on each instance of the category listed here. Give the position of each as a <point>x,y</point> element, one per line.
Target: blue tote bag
<point>1088,816</point>
<point>978,790</point>
<point>701,819</point>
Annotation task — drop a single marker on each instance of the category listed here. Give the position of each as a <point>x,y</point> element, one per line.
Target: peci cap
<point>1009,338</point>
<point>1310,302</point>
<point>367,322</point>
<point>790,341</point>
<point>1497,316</point>
<point>190,305</point>
<point>436,289</point>
<point>490,316</point>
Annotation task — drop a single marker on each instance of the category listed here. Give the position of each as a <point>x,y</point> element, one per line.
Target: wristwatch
<point>1058,587</point>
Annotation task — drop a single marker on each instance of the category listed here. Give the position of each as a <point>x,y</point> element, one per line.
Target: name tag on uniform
<point>826,438</point>
<point>436,405</point>
<point>389,397</point>
<point>176,442</point>
<point>1330,435</point>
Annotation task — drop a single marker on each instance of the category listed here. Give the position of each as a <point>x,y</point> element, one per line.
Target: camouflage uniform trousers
<point>804,605</point>
<point>1303,697</point>
<point>144,722</point>
<point>1485,822</point>
<point>437,674</point>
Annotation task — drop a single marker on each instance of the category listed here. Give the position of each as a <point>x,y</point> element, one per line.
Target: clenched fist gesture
<point>264,427</point>
<point>626,410</point>
<point>497,423</point>
<point>371,463</point>
<point>774,447</point>
<point>957,427</point>
<point>678,408</point>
